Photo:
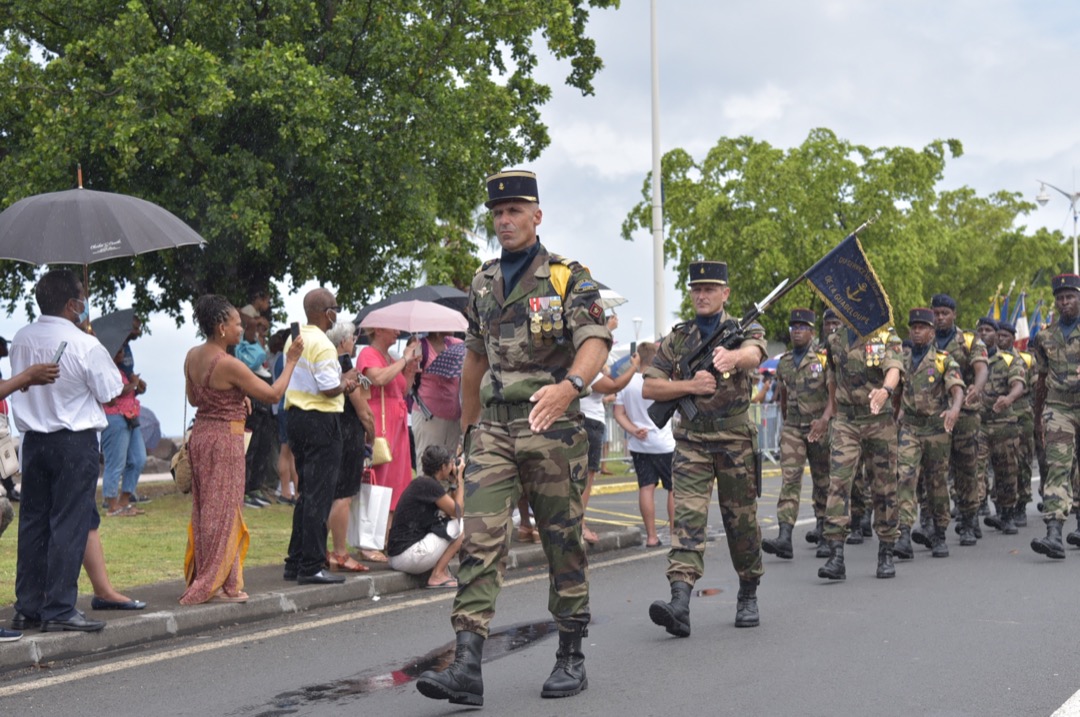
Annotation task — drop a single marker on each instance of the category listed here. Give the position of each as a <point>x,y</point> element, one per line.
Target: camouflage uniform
<point>1025,424</point>
<point>529,338</point>
<point>719,446</point>
<point>923,444</point>
<point>807,396</point>
<point>857,367</point>
<point>1058,357</point>
<point>966,349</point>
<point>1000,432</point>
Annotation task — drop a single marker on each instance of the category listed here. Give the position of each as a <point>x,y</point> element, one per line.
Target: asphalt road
<point>989,631</point>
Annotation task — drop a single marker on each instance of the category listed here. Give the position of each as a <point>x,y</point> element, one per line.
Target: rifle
<point>730,334</point>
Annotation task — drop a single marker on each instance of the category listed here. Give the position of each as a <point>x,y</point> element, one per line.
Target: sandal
<point>225,597</point>
<point>373,556</point>
<point>346,563</point>
<point>127,511</point>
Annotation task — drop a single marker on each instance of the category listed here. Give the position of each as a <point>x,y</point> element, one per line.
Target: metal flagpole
<point>659,312</point>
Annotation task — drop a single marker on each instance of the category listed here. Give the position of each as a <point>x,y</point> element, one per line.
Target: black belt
<point>916,421</point>
<point>714,425</point>
<point>506,412</point>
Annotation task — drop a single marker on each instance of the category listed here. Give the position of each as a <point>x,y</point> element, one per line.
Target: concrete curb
<point>137,629</point>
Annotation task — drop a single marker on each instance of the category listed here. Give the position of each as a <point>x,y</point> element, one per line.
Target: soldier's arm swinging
<point>953,412</point>
<point>473,370</point>
<point>552,400</point>
<point>879,396</point>
<point>974,392</point>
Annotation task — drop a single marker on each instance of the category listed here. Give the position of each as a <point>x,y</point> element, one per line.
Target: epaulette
<point>969,339</point>
<point>1028,358</point>
<point>682,326</point>
<point>822,357</point>
<point>940,359</point>
<point>1006,357</point>
<point>487,264</point>
<point>559,259</point>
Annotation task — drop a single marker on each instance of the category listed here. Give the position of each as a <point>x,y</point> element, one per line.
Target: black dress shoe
<point>103,604</point>
<point>323,577</point>
<point>76,623</point>
<point>24,622</point>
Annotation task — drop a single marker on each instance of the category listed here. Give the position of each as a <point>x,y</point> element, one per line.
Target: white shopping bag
<point>368,515</point>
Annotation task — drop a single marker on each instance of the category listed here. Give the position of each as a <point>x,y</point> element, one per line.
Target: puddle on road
<point>499,644</point>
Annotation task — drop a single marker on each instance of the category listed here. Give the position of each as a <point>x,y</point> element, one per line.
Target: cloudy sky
<point>995,74</point>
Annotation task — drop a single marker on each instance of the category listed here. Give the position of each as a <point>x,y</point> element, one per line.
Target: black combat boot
<point>822,548</point>
<point>885,567</point>
<point>746,610</point>
<point>984,507</point>
<point>938,548</point>
<point>1008,524</point>
<point>926,522</point>
<point>780,546</point>
<point>976,529</point>
<point>1050,546</point>
<point>902,547</point>
<point>833,569</point>
<point>813,536</point>
<point>674,616</point>
<point>461,682</point>
<point>1073,538</point>
<point>866,525</point>
<point>855,536</point>
<point>568,676</point>
<point>995,521</point>
<point>1020,515</point>
<point>966,529</point>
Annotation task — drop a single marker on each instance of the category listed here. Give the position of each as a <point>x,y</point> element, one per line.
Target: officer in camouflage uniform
<point>1000,439</point>
<point>932,396</point>
<point>719,446</point>
<point>803,396</point>
<point>862,375</point>
<point>1057,408</point>
<point>536,338</point>
<point>970,353</point>
<point>1025,422</point>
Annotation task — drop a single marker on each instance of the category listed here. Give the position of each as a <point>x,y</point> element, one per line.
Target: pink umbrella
<point>415,316</point>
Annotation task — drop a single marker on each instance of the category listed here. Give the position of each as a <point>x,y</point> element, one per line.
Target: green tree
<point>771,213</point>
<point>317,139</point>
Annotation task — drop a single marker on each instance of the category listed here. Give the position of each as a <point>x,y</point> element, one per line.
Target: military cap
<point>830,315</point>
<point>1007,326</point>
<point>708,272</point>
<point>803,316</point>
<point>987,321</point>
<point>942,300</point>
<point>511,184</point>
<point>1062,282</point>
<point>920,316</point>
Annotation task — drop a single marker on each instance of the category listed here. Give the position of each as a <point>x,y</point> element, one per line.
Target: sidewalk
<point>271,597</point>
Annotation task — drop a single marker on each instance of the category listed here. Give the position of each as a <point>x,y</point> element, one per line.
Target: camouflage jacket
<point>804,386</point>
<point>1058,358</point>
<point>531,336</point>
<point>966,349</point>
<point>1006,368</point>
<point>926,388</point>
<point>731,400</point>
<point>1025,406</point>
<point>858,368</point>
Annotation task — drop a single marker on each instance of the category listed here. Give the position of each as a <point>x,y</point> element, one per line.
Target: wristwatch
<point>888,390</point>
<point>577,382</point>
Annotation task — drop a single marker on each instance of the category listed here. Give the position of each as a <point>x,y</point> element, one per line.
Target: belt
<point>851,410</point>
<point>1067,397</point>
<point>507,412</point>
<point>714,425</point>
<point>916,421</point>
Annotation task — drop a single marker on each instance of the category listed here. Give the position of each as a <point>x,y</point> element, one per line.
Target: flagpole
<point>660,327</point>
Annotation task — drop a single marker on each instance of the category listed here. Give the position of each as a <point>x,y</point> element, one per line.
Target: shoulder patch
<point>1007,358</point>
<point>487,265</point>
<point>969,339</point>
<point>585,285</point>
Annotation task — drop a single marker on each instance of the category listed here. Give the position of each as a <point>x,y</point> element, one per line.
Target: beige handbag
<point>9,459</point>
<point>380,447</point>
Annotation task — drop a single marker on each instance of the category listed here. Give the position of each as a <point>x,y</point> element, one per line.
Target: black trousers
<point>315,440</point>
<point>259,462</point>
<point>60,473</point>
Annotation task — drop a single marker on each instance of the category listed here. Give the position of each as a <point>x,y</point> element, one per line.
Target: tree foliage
<point>317,139</point>
<point>771,213</point>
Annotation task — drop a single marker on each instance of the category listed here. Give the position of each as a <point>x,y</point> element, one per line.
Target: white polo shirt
<point>88,378</point>
<point>658,440</point>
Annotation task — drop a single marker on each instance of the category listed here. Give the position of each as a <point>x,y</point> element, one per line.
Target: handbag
<point>369,514</point>
<point>380,447</point>
<point>180,465</point>
<point>9,457</point>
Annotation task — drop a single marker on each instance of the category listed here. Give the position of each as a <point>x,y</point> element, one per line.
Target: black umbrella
<point>446,295</point>
<point>113,329</point>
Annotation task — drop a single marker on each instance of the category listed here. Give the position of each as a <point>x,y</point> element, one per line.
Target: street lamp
<point>638,321</point>
<point>1043,197</point>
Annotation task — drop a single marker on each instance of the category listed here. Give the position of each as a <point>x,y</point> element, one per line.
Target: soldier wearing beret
<point>718,447</point>
<point>1057,408</point>
<point>862,375</point>
<point>803,396</point>
<point>932,396</point>
<point>970,353</point>
<point>536,339</point>
<point>1025,422</point>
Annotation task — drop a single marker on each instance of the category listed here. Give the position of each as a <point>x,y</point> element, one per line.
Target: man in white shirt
<point>60,425</point>
<point>651,448</point>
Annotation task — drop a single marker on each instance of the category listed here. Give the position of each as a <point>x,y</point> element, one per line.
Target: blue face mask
<point>85,313</point>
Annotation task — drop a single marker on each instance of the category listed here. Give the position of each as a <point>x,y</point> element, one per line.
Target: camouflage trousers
<point>964,463</point>
<point>862,502</point>
<point>795,451</point>
<point>1000,447</point>
<point>1061,424</point>
<point>922,456</point>
<point>1026,426</point>
<point>872,439</point>
<point>694,471</point>
<point>505,460</point>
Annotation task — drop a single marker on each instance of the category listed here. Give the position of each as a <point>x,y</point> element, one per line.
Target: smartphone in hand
<point>294,328</point>
<point>633,347</point>
<point>59,352</point>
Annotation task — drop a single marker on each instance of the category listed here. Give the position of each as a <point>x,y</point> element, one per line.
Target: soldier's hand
<point>877,400</point>
<point>950,417</point>
<point>1002,404</point>
<point>703,384</point>
<point>819,427</point>
<point>723,360</point>
<point>971,398</point>
<point>551,403</point>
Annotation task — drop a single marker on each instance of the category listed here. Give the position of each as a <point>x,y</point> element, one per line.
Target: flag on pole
<point>994,312</point>
<point>1020,321</point>
<point>1019,308</point>
<point>847,283</point>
